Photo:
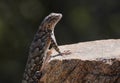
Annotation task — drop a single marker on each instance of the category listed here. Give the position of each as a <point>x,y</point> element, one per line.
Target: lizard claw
<point>66,52</point>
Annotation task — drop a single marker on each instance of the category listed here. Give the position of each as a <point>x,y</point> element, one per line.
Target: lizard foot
<point>67,52</point>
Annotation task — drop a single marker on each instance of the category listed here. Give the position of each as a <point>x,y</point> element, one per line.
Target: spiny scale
<point>39,47</point>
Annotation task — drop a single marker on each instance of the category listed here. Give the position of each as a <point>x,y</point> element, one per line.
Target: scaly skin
<point>39,48</point>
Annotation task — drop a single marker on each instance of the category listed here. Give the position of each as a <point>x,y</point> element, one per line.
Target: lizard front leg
<point>55,46</point>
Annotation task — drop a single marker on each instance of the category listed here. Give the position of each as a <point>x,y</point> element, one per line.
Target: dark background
<point>83,20</point>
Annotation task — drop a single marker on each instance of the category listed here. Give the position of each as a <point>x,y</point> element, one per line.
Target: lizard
<point>43,39</point>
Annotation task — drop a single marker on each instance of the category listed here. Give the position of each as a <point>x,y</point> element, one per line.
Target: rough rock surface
<point>89,62</point>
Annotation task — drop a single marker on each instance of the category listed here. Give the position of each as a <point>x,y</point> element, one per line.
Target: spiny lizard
<point>43,39</point>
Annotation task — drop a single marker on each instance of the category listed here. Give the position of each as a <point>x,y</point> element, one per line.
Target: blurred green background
<point>83,20</point>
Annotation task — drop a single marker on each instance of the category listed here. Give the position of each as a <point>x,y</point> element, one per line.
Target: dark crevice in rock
<point>71,71</point>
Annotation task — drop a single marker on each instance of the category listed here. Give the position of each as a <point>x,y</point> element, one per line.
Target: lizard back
<point>39,47</point>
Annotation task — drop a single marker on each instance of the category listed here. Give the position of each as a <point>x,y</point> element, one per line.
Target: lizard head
<point>51,20</point>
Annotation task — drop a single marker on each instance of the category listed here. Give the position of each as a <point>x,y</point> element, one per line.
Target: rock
<point>89,62</point>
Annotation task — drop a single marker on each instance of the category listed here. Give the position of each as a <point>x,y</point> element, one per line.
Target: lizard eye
<point>49,30</point>
<point>49,25</point>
